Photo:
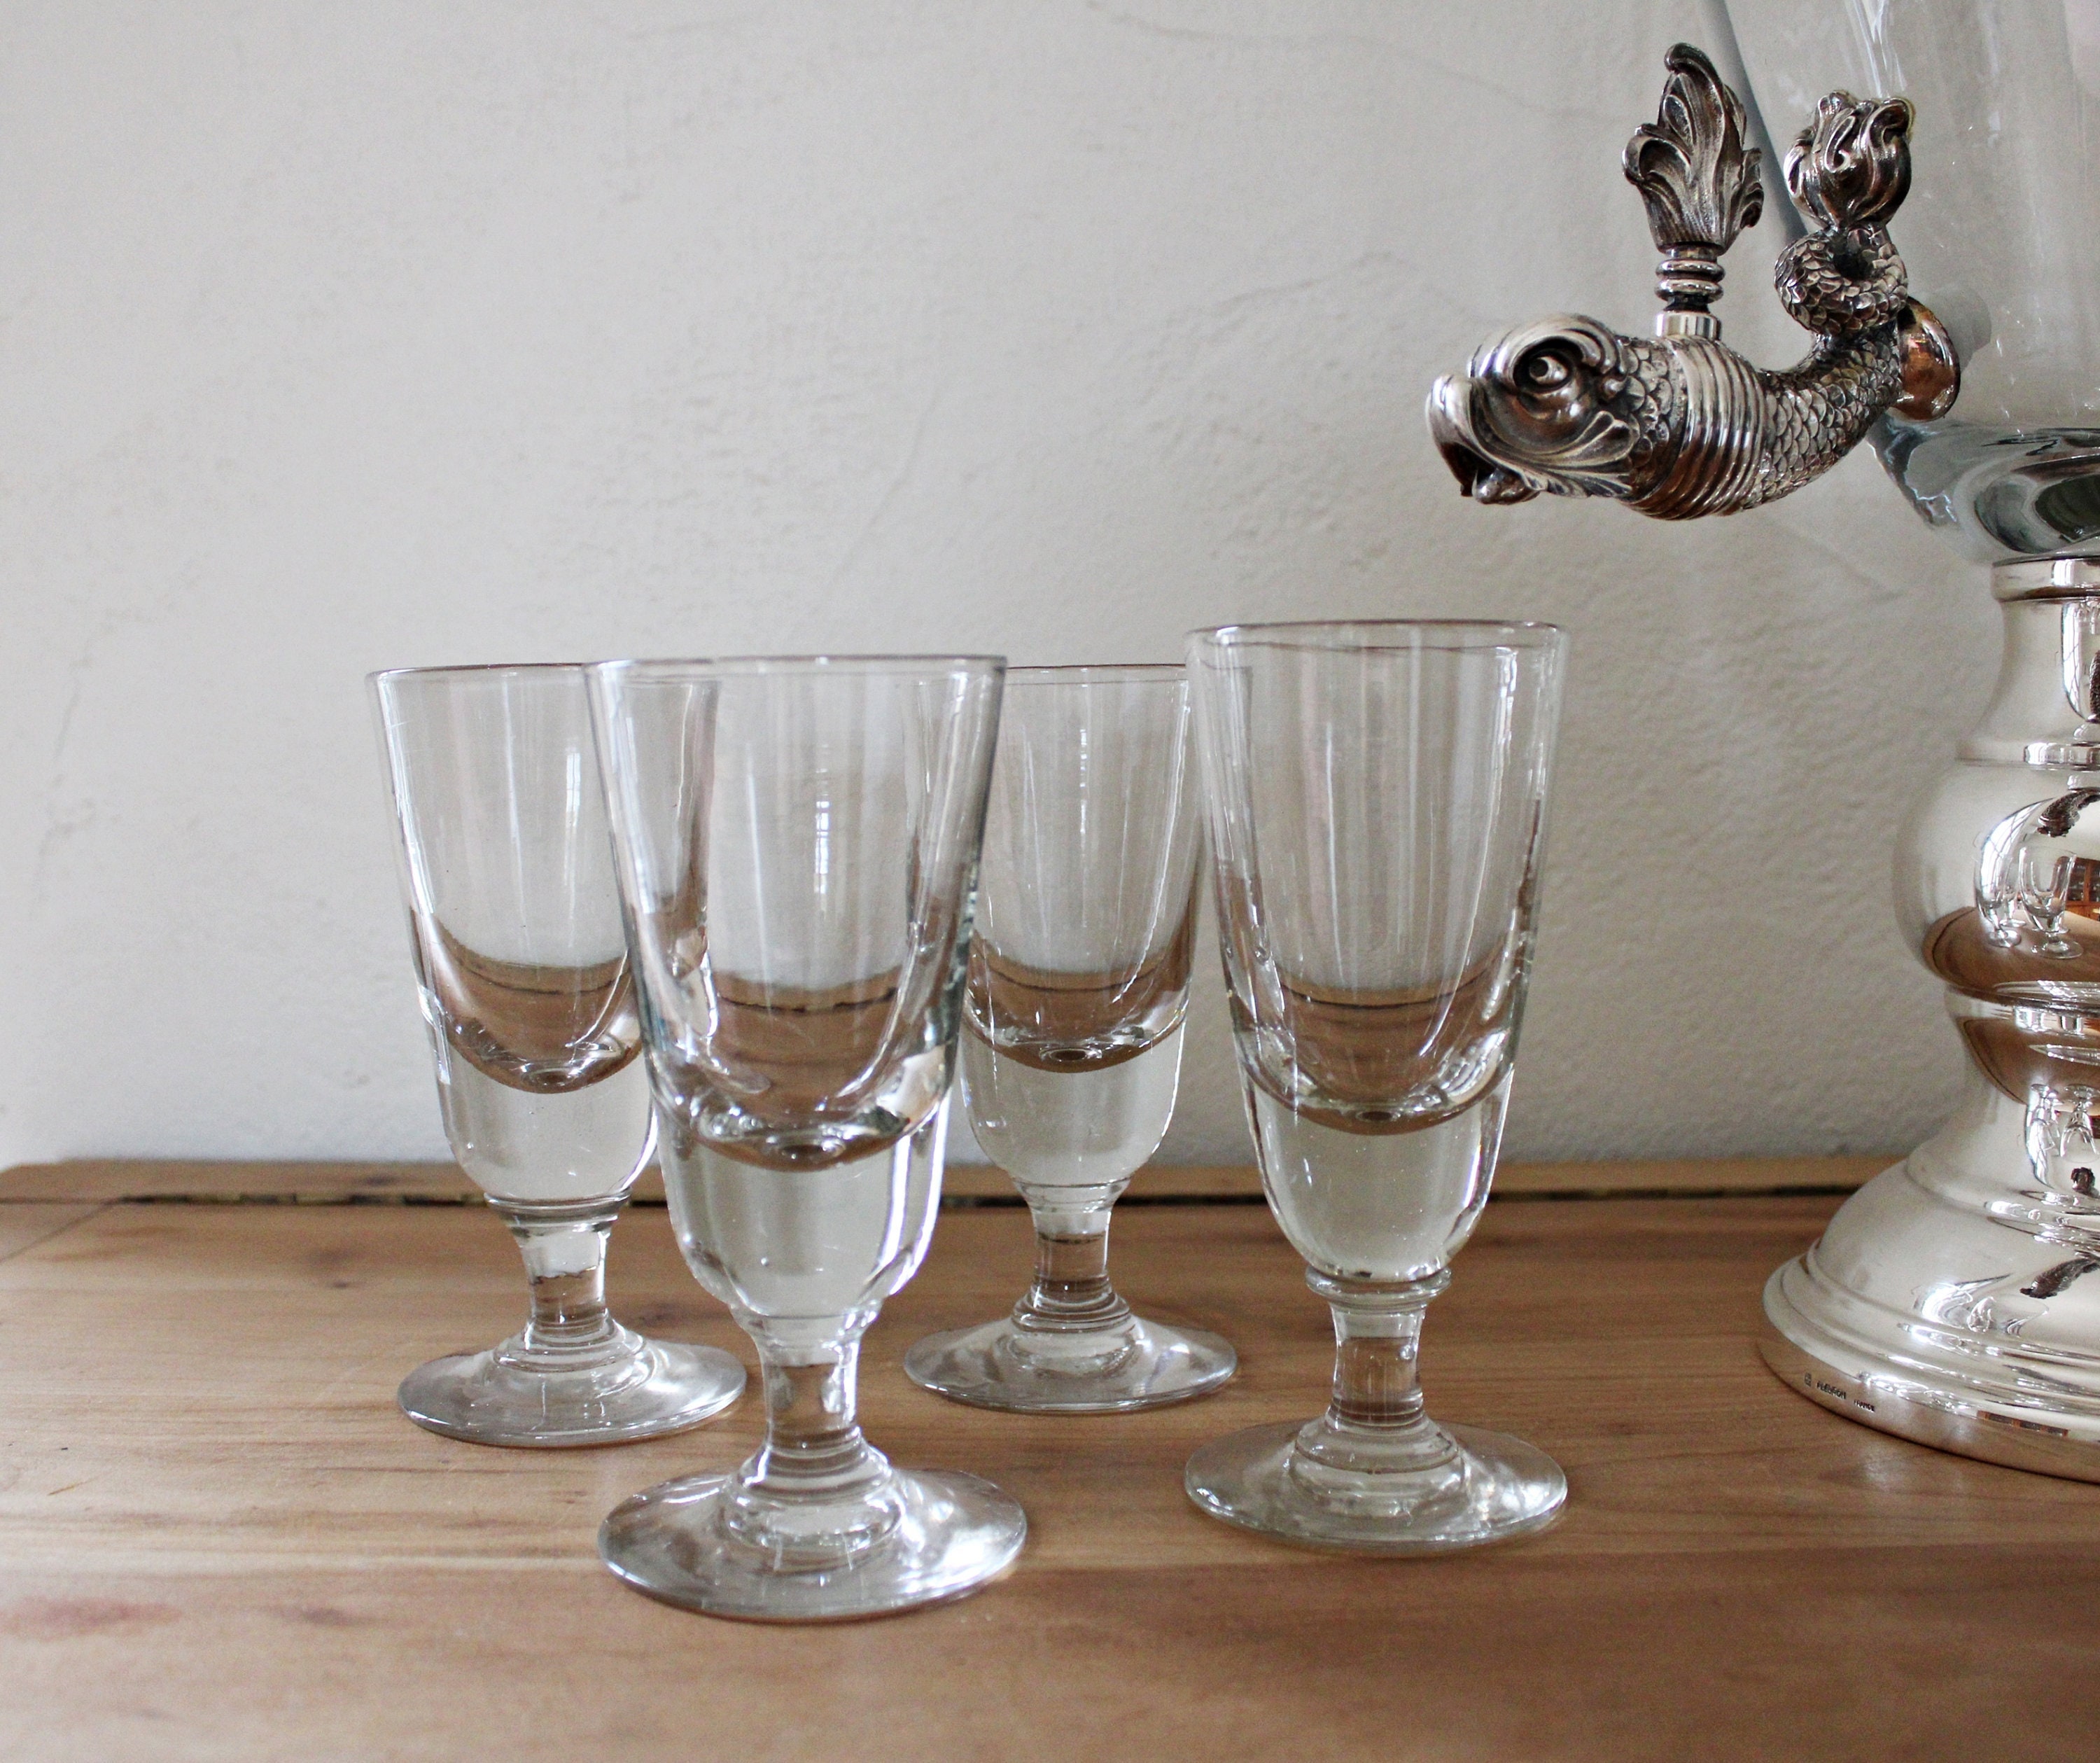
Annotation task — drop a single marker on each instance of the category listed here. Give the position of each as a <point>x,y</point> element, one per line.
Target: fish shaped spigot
<point>1679,424</point>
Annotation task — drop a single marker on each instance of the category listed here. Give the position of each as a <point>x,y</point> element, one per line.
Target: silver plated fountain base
<point>1951,1302</point>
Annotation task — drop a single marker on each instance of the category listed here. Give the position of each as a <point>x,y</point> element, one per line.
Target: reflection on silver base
<point>1947,1303</point>
<point>1964,1427</point>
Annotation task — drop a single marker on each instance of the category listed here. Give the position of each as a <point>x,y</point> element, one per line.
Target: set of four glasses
<point>745,916</point>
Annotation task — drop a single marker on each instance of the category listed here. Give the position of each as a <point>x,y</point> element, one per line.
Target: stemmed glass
<point>796,843</point>
<point>521,968</point>
<point>1071,1046</point>
<point>1377,797</point>
<point>2046,900</point>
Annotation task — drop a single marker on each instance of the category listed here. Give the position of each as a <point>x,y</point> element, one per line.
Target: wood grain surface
<point>218,1539</point>
<point>102,1179</point>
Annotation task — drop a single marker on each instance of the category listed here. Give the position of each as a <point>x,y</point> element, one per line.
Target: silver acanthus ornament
<point>1679,424</point>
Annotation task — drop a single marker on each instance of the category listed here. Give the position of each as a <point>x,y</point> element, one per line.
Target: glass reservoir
<point>2000,233</point>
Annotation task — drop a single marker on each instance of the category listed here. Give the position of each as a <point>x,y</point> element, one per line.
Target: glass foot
<point>496,1398</point>
<point>952,1533</point>
<point>1138,1365</point>
<point>1490,1487</point>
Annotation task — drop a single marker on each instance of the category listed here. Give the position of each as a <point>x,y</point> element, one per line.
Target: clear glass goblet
<point>1377,799</point>
<point>1071,1044</point>
<point>521,966</point>
<point>797,841</point>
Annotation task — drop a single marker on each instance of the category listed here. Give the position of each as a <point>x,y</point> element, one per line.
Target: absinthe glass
<point>1071,1043</point>
<point>523,974</point>
<point>1377,797</point>
<point>797,841</point>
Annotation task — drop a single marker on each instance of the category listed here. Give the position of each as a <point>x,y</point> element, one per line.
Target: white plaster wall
<point>335,336</point>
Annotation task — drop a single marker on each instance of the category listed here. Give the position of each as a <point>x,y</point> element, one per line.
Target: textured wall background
<point>338,337</point>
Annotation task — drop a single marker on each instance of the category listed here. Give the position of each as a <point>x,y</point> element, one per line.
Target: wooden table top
<point>219,1538</point>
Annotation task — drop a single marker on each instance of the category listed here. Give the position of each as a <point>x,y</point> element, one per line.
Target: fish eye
<point>1543,370</point>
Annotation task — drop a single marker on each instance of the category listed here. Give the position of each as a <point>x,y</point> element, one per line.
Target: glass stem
<point>812,1496</point>
<point>1070,1293</point>
<point>564,1249</point>
<point>1374,1420</point>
